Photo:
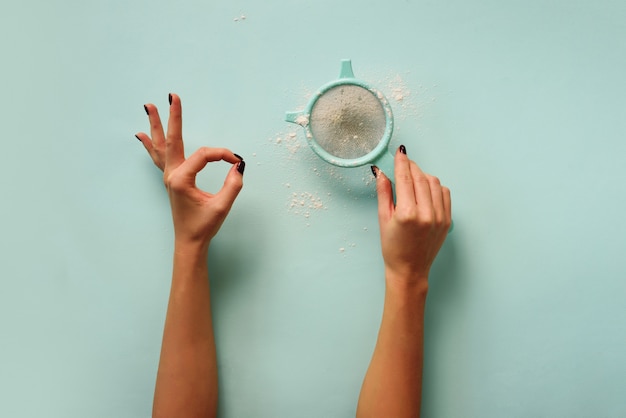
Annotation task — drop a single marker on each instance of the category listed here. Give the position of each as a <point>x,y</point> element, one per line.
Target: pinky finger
<point>147,144</point>
<point>146,141</point>
<point>447,205</point>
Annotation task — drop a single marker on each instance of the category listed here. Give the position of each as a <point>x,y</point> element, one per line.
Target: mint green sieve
<point>348,123</point>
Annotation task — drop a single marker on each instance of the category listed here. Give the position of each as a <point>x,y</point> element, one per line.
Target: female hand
<point>197,215</point>
<point>413,230</point>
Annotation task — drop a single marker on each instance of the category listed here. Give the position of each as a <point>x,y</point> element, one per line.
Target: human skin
<point>412,232</point>
<point>186,383</point>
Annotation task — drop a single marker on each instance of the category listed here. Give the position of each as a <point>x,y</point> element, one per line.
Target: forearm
<point>187,377</point>
<point>393,384</point>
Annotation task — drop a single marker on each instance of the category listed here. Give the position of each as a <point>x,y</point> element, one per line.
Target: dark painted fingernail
<point>169,97</point>
<point>146,109</point>
<point>241,166</point>
<point>403,149</point>
<point>238,156</point>
<point>374,171</point>
<point>137,136</point>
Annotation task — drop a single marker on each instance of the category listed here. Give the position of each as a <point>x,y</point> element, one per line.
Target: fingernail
<point>403,149</point>
<point>137,136</point>
<point>146,109</point>
<point>241,166</point>
<point>169,97</point>
<point>238,156</point>
<point>374,171</point>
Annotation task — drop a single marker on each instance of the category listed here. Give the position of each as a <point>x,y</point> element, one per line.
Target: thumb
<point>385,195</point>
<point>232,184</point>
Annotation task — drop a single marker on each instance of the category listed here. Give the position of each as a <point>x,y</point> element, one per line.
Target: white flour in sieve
<point>348,121</point>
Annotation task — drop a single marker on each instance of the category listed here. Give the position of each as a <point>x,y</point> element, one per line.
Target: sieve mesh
<point>347,121</point>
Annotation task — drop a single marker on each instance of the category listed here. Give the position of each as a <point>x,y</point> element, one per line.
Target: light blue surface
<point>519,107</point>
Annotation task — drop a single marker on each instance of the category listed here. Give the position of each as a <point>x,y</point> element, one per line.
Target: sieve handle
<point>385,164</point>
<point>346,69</point>
<point>293,117</point>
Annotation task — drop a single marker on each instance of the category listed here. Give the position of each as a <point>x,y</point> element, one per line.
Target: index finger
<point>196,161</point>
<point>405,191</point>
<point>174,150</point>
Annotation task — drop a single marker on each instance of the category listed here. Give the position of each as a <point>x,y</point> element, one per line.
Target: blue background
<point>518,106</point>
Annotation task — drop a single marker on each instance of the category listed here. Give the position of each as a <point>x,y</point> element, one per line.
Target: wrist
<point>190,262</point>
<point>407,283</point>
<point>191,248</point>
<point>405,300</point>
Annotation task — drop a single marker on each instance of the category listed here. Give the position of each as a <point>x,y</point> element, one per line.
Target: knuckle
<point>206,152</point>
<point>406,216</point>
<point>237,185</point>
<point>233,183</point>
<point>221,208</point>
<point>404,178</point>
<point>439,220</point>
<point>173,140</point>
<point>434,180</point>
<point>427,220</point>
<point>421,179</point>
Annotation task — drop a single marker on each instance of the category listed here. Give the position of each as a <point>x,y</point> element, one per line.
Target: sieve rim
<point>374,154</point>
